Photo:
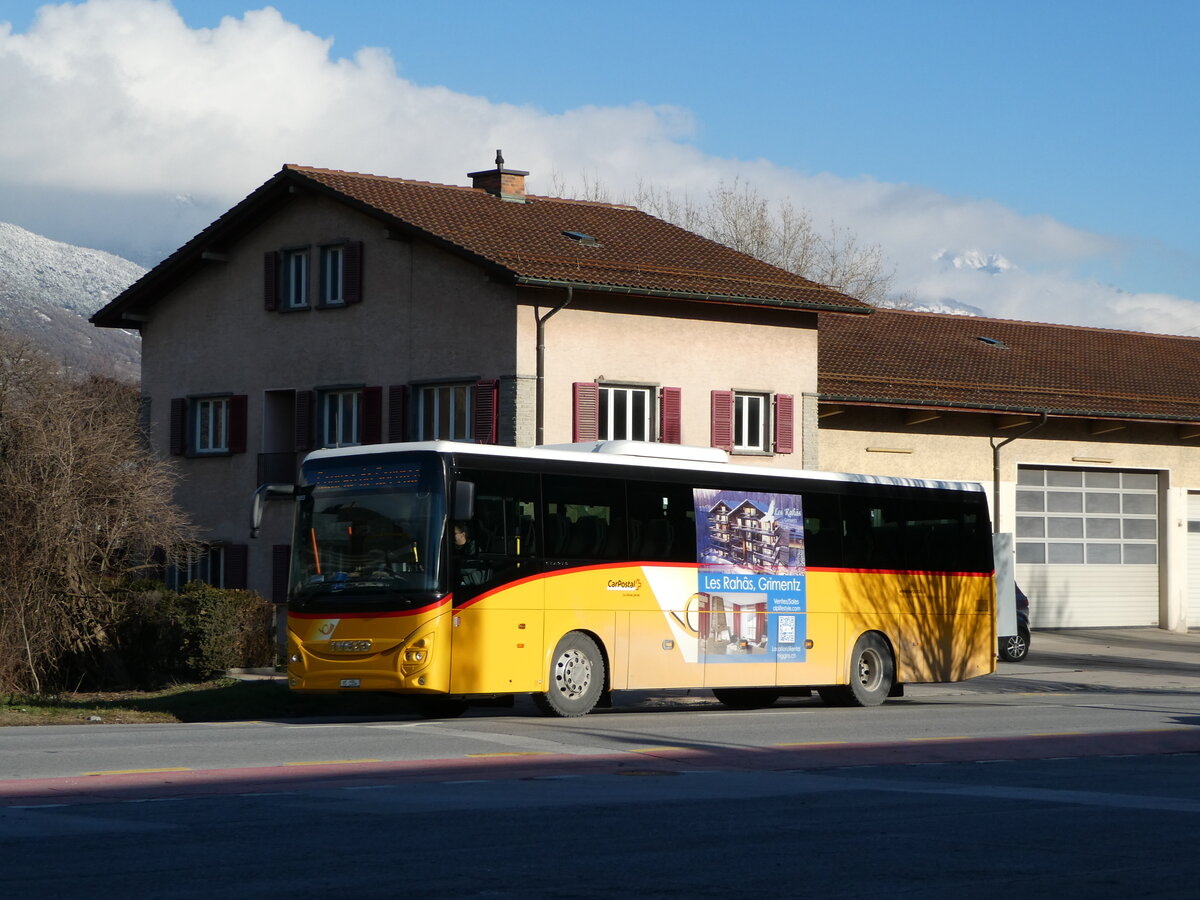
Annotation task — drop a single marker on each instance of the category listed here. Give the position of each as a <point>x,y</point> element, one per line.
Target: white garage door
<point>1087,546</point>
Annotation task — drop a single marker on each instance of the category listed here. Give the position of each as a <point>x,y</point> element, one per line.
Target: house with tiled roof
<point>1089,438</point>
<point>330,309</point>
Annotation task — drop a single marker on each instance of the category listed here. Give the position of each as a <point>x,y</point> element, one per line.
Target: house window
<point>445,412</point>
<point>210,425</point>
<point>341,416</point>
<point>1082,517</point>
<point>206,564</point>
<point>295,279</point>
<point>333,275</point>
<point>625,413</point>
<point>750,420</point>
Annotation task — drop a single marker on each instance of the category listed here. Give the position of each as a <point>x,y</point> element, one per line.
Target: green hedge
<point>166,636</point>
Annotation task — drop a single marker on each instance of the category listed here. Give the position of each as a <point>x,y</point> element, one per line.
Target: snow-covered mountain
<point>47,291</point>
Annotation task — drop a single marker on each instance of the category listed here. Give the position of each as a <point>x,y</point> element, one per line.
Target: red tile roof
<point>901,358</point>
<point>523,243</point>
<point>633,250</point>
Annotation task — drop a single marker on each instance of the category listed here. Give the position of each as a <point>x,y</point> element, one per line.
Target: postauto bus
<point>456,573</point>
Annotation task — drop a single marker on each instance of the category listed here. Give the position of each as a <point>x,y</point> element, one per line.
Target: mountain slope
<point>47,291</point>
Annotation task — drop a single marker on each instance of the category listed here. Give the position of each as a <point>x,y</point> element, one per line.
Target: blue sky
<point>1073,125</point>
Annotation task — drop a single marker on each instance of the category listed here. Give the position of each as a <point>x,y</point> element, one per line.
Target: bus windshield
<point>368,536</point>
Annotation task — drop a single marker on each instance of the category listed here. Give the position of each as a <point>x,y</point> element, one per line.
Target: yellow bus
<point>456,573</point>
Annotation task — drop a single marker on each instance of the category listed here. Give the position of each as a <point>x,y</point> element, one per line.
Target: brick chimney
<point>507,184</point>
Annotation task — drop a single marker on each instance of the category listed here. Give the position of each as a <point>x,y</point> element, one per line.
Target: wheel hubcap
<point>573,673</point>
<point>870,670</point>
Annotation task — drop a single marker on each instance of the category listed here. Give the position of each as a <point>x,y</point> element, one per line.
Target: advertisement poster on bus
<point>750,550</point>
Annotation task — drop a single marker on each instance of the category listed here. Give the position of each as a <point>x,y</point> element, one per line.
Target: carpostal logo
<point>625,584</point>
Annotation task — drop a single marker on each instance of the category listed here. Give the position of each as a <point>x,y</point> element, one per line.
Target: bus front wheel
<point>872,675</point>
<point>576,678</point>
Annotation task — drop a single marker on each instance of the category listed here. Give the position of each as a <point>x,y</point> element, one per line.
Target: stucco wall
<point>425,315</point>
<point>664,343</point>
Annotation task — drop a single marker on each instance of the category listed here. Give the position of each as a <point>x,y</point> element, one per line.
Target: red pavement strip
<point>161,785</point>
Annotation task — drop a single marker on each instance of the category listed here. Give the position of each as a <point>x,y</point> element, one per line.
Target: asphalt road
<point>1072,774</point>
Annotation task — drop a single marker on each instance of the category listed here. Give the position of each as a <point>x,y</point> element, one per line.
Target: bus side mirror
<point>264,493</point>
<point>464,501</point>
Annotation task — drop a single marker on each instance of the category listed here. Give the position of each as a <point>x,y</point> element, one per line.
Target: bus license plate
<point>351,682</point>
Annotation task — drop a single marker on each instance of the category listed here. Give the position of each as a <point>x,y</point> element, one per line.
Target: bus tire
<point>746,698</point>
<point>576,678</point>
<point>872,675</point>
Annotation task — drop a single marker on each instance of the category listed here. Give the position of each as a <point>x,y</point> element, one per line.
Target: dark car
<point>1015,647</point>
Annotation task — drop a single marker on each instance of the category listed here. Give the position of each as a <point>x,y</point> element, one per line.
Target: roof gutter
<point>995,407</point>
<point>690,295</point>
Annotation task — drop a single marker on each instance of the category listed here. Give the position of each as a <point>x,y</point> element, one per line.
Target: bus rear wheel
<point>576,678</point>
<point>746,698</point>
<point>872,675</point>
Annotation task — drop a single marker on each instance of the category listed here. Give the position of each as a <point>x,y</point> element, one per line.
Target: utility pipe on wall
<point>540,381</point>
<point>996,468</point>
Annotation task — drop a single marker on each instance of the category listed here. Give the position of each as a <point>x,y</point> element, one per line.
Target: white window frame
<point>295,279</point>
<point>210,425</point>
<point>617,416</point>
<point>445,412</point>
<point>333,275</point>
<point>746,437</point>
<point>341,417</point>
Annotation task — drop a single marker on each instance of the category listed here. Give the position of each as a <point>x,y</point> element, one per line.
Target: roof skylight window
<point>993,342</point>
<point>582,238</point>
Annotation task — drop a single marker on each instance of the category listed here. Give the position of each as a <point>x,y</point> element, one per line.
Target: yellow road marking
<point>514,753</point>
<point>137,771</point>
<point>948,737</point>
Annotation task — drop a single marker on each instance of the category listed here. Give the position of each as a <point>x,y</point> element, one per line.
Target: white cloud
<point>127,130</point>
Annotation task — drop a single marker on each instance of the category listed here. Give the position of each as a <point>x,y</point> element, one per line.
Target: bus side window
<point>822,530</point>
<point>662,522</point>
<point>584,517</point>
<point>502,534</point>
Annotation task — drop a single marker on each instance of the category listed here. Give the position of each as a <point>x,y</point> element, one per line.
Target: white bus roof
<point>674,457</point>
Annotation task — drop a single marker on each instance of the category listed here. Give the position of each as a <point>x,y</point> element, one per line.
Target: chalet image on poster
<point>751,602</point>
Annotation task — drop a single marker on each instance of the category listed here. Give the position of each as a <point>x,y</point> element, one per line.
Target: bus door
<point>497,626</point>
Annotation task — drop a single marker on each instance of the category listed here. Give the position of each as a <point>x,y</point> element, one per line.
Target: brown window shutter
<point>271,280</point>
<point>785,423</point>
<point>487,394</point>
<point>585,411</point>
<point>352,270</point>
<point>722,420</point>
<point>236,566</point>
<point>397,413</point>
<point>670,407</point>
<point>305,400</point>
<point>281,558</point>
<point>372,415</point>
<point>237,423</point>
<point>178,426</point>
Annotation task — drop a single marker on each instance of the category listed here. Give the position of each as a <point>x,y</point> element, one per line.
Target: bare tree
<point>85,505</point>
<point>739,216</point>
